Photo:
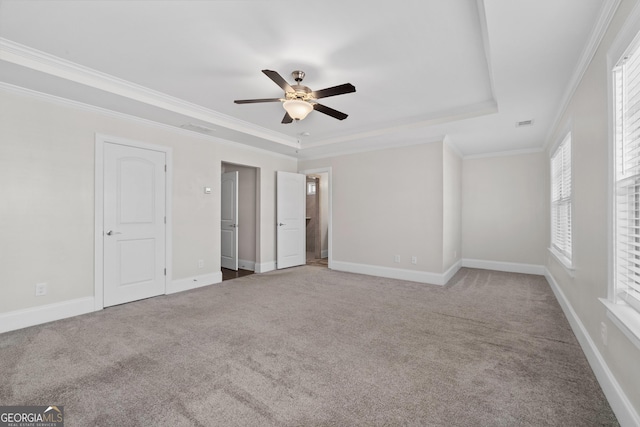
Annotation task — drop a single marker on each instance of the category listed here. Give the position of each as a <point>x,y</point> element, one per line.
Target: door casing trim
<point>98,272</point>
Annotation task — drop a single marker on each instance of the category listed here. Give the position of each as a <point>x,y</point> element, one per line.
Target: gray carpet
<point>312,347</point>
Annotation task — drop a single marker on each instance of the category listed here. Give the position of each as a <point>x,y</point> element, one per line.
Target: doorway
<point>132,220</point>
<point>317,217</point>
<point>239,243</point>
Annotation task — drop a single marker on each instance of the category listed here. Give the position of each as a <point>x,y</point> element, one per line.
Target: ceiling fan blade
<point>254,101</point>
<point>286,119</point>
<point>279,80</point>
<point>333,91</point>
<point>330,111</point>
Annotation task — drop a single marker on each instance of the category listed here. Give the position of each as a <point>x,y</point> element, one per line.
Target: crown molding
<point>34,59</point>
<point>607,12</point>
<point>9,88</point>
<point>456,114</point>
<point>505,153</point>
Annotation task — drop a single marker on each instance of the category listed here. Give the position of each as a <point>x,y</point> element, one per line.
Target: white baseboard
<point>510,267</point>
<point>263,267</point>
<point>247,265</point>
<point>193,282</point>
<point>622,407</point>
<point>452,271</point>
<point>396,273</point>
<point>19,319</point>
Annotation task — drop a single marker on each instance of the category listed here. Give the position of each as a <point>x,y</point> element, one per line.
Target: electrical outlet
<point>41,289</point>
<point>200,263</point>
<point>603,332</point>
<point>396,258</point>
<point>414,259</point>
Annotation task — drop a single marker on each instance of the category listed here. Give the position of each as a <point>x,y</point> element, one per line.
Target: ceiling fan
<point>299,100</point>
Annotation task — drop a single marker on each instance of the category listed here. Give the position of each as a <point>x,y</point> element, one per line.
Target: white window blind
<point>627,175</point>
<point>561,200</point>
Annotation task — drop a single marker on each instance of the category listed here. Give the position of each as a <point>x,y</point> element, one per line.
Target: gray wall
<point>505,208</point>
<point>587,116</point>
<point>47,210</point>
<point>390,202</point>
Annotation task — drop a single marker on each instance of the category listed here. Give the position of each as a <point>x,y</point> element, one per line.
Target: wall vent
<point>524,123</point>
<point>197,128</point>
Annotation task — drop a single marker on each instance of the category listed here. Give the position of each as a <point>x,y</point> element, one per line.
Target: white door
<point>290,216</point>
<point>229,221</point>
<point>134,223</point>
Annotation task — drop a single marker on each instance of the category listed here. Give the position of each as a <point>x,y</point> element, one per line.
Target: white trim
<point>32,316</point>
<point>100,140</point>
<point>247,265</point>
<point>447,275</point>
<point>505,153</point>
<point>263,267</point>
<point>34,59</point>
<point>510,267</point>
<point>339,151</point>
<point>563,261</point>
<point>605,16</point>
<point>122,116</point>
<point>624,39</point>
<point>455,114</point>
<point>189,283</point>
<point>620,403</point>
<point>626,318</point>
<point>396,273</point>
<point>329,171</point>
<point>449,143</point>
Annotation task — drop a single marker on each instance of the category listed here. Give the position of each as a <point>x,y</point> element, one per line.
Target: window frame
<point>563,254</point>
<point>622,315</point>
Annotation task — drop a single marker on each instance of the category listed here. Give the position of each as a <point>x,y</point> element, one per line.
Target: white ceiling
<point>467,70</point>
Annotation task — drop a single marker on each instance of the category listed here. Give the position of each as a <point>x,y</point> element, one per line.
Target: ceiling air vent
<point>197,128</point>
<point>524,123</point>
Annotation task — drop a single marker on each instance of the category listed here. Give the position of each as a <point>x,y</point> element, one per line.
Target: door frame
<point>236,208</point>
<point>328,171</point>
<point>98,272</point>
<point>231,164</point>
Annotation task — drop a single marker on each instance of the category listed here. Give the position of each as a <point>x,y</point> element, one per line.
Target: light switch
<point>207,190</point>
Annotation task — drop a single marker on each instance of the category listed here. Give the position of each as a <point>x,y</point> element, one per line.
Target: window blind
<point>561,199</point>
<point>627,187</point>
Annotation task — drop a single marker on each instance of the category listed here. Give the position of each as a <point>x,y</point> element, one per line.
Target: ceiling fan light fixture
<point>297,108</point>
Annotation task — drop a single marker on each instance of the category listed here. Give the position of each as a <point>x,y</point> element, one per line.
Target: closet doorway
<point>244,247</point>
<point>317,218</point>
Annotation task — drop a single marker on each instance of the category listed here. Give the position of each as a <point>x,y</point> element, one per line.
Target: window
<point>561,202</point>
<point>626,79</point>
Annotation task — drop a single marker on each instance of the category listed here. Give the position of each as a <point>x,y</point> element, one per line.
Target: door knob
<point>281,224</point>
<point>233,225</point>
<point>111,232</point>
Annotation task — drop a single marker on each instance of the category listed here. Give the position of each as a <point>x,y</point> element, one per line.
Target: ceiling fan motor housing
<point>299,92</point>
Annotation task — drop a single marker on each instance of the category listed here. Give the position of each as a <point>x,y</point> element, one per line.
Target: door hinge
<point>165,271</point>
<point>165,219</point>
<point>165,168</point>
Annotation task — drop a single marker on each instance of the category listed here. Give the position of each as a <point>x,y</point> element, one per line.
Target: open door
<point>229,221</point>
<point>290,217</point>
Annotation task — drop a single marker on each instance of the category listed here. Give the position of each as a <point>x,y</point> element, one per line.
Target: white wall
<point>587,117</point>
<point>324,211</point>
<point>505,208</point>
<point>452,207</point>
<point>47,190</point>
<point>386,203</point>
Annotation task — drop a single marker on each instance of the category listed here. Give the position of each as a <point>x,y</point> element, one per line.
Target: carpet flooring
<point>308,346</point>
